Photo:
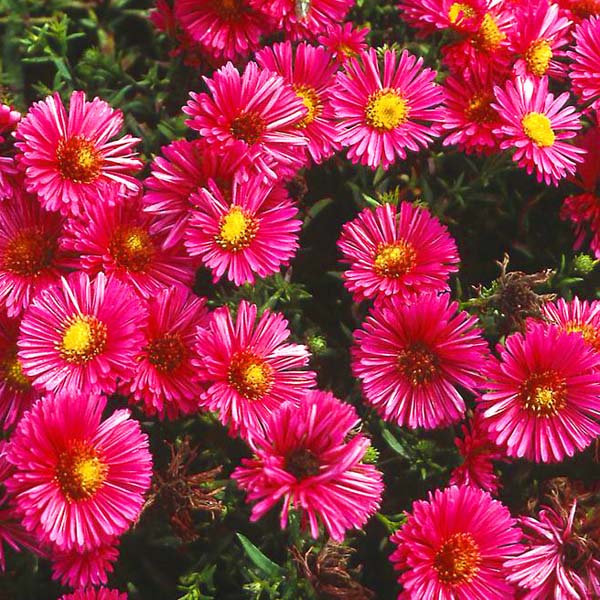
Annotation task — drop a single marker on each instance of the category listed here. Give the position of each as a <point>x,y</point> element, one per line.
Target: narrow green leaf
<point>265,564</point>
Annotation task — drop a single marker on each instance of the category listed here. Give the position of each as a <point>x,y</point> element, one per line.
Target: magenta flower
<point>67,157</point>
<point>247,231</point>
<point>250,367</point>
<point>95,594</point>
<point>81,336</point>
<point>453,546</point>
<point>542,402</point>
<point>344,41</point>
<point>534,124</point>
<point>381,115</point>
<point>585,68</point>
<point>307,460</point>
<point>411,355</point>
<point>396,251</point>
<point>165,379</point>
<point>78,482</point>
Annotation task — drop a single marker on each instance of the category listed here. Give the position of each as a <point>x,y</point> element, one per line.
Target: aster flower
<point>67,157</point>
<point>535,125</point>
<point>578,10</point>
<point>310,71</point>
<point>247,231</point>
<point>30,258</point>
<point>396,250</point>
<point>412,353</point>
<point>453,545</point>
<point>95,594</point>
<point>254,116</point>
<point>8,170</point>
<point>78,482</point>
<point>542,400</point>
<point>225,29</point>
<point>307,459</point>
<point>585,68</point>
<point>250,366</point>
<point>81,336</point>
<point>427,16</point>
<point>165,379</point>
<point>115,238</point>
<point>558,561</point>
<point>344,41</point>
<point>383,114</point>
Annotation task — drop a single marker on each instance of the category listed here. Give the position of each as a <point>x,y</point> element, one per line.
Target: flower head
<point>585,68</point>
<point>95,594</point>
<point>306,459</point>
<point>344,41</point>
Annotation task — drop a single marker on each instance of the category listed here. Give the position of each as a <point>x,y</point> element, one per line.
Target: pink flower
<point>542,402</point>
<point>395,250</point>
<point>247,231</point>
<point>30,258</point>
<point>343,41</point>
<point>381,115</point>
<point>165,378</point>
<point>310,71</point>
<point>430,15</point>
<point>585,68</point>
<point>81,336</point>
<point>9,119</point>
<point>250,367</point>
<point>578,10</point>
<point>67,157</point>
<point>254,116</point>
<point>78,482</point>
<point>411,355</point>
<point>535,125</point>
<point>95,594</point>
<point>453,545</point>
<point>307,459</point>
<point>557,561</point>
<point>115,238</point>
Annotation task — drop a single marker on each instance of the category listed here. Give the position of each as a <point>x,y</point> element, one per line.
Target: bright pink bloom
<point>165,378</point>
<point>308,459</point>
<point>81,336</point>
<point>412,353</point>
<point>585,68</point>
<point>30,258</point>
<point>115,238</point>
<point>9,178</point>
<point>254,116</point>
<point>95,594</point>
<point>79,568</point>
<point>395,250</point>
<point>226,28</point>
<point>453,545</point>
<point>343,41</point>
<point>542,402</point>
<point>78,482</point>
<point>247,231</point>
<point>555,563</point>
<point>535,125</point>
<point>427,16</point>
<point>68,156</point>
<point>183,168</point>
<point>8,121</point>
<point>250,367</point>
<point>578,10</point>
<point>381,115</point>
<point>310,71</point>
<point>9,118</point>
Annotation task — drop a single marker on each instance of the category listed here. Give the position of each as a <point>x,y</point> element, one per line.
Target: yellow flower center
<point>11,372</point>
<point>479,109</point>
<point>250,375</point>
<point>459,11</point>
<point>489,37</point>
<point>544,394</point>
<point>166,353</point>
<point>131,248</point>
<point>457,561</point>
<point>590,334</point>
<point>78,159</point>
<point>395,260</point>
<point>80,472</point>
<point>237,229</point>
<point>311,101</point>
<point>248,127</point>
<point>538,57</point>
<point>83,338</point>
<point>417,364</point>
<point>29,252</point>
<point>386,110</point>
<point>538,128</point>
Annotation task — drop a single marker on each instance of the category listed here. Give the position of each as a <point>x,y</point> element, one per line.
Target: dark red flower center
<point>229,10</point>
<point>78,160</point>
<point>301,463</point>
<point>250,375</point>
<point>11,372</point>
<point>132,248</point>
<point>479,109</point>
<point>29,252</point>
<point>80,472</point>
<point>248,127</point>
<point>544,394</point>
<point>166,353</point>
<point>457,560</point>
<point>417,363</point>
<point>83,338</point>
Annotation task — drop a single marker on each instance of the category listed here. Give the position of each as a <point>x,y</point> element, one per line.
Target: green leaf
<point>265,564</point>
<point>394,444</point>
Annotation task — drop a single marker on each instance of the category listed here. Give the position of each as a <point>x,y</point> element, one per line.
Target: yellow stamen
<point>311,101</point>
<point>538,57</point>
<point>544,394</point>
<point>132,248</point>
<point>457,561</point>
<point>538,128</point>
<point>237,229</point>
<point>250,375</point>
<point>84,337</point>
<point>395,259</point>
<point>386,110</point>
<point>78,159</point>
<point>459,11</point>
<point>489,37</point>
<point>80,472</point>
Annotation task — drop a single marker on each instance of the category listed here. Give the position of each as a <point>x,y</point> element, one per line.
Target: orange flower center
<point>395,260</point>
<point>229,10</point>
<point>311,101</point>
<point>479,109</point>
<point>544,394</point>
<point>459,11</point>
<point>80,472</point>
<point>250,375</point>
<point>538,128</point>
<point>131,248</point>
<point>248,127</point>
<point>166,353</point>
<point>538,57</point>
<point>457,561</point>
<point>301,464</point>
<point>78,160</point>
<point>417,364</point>
<point>489,37</point>
<point>11,372</point>
<point>386,110</point>
<point>237,229</point>
<point>29,252</point>
<point>590,333</point>
<point>83,338</point>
